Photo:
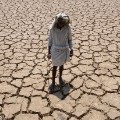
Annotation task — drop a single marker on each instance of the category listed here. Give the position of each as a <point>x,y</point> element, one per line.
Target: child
<point>59,43</point>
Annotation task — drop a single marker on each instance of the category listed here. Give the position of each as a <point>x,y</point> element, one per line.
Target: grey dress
<point>60,42</point>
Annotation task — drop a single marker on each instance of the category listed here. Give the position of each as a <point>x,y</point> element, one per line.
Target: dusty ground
<point>93,74</point>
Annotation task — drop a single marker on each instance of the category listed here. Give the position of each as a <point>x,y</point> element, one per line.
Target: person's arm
<point>70,42</point>
<point>49,44</point>
<point>49,50</point>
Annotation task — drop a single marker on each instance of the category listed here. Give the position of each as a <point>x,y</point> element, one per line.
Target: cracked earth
<point>92,91</point>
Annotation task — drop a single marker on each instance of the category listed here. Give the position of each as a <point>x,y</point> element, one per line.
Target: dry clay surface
<point>92,91</point>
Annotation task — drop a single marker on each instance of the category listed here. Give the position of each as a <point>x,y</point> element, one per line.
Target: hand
<point>71,53</point>
<point>49,56</point>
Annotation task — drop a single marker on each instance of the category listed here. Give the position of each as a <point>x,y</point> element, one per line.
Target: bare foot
<point>61,82</point>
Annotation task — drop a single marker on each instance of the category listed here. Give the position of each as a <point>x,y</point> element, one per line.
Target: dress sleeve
<point>70,38</point>
<point>50,38</point>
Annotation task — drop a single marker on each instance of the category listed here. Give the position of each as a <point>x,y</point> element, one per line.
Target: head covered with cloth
<point>60,19</point>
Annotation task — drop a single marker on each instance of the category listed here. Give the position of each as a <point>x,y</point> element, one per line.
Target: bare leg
<point>54,74</point>
<point>51,87</point>
<point>60,75</point>
<point>60,71</point>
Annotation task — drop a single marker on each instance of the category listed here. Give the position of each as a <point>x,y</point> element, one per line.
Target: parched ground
<point>92,91</point>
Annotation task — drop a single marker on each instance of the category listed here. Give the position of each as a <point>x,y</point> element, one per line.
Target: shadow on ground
<point>62,92</point>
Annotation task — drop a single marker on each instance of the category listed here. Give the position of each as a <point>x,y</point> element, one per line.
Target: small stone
<point>76,71</point>
<point>26,91</point>
<point>87,55</point>
<point>48,118</point>
<point>113,113</point>
<point>107,65</point>
<point>39,105</point>
<point>86,62</point>
<point>10,110</point>
<point>73,118</point>
<point>4,47</point>
<point>77,82</point>
<point>94,42</point>
<point>6,88</point>
<point>40,56</point>
<point>80,110</point>
<point>70,101</point>
<point>98,91</point>
<point>115,72</point>
<point>84,38</point>
<point>30,81</point>
<point>64,106</point>
<point>68,77</point>
<point>39,86</point>
<point>6,79</point>
<point>54,99</point>
<point>94,115</point>
<point>59,115</point>
<point>109,83</point>
<point>112,99</point>
<point>91,84</point>
<point>37,92</point>
<point>104,42</point>
<point>96,48</point>
<point>17,82</point>
<point>91,37</point>
<point>112,47</point>
<point>1,99</point>
<point>102,71</point>
<point>7,73</point>
<point>74,60</point>
<point>27,117</point>
<point>30,63</point>
<point>21,73</point>
<point>88,100</point>
<point>85,68</point>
